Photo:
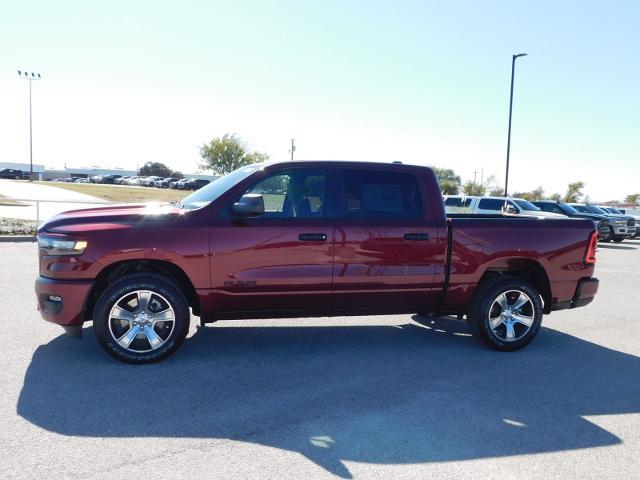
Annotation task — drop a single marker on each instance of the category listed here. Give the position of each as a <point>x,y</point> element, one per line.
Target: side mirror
<point>510,209</point>
<point>249,205</point>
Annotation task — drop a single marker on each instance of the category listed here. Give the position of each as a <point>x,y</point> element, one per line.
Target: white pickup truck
<point>494,205</point>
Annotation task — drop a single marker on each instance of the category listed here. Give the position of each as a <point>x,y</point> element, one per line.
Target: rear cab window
<point>375,194</point>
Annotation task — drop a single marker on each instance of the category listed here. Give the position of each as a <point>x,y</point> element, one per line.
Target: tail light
<point>590,256</point>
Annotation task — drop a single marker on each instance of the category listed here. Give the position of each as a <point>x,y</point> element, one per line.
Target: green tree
<point>496,191</point>
<point>472,188</point>
<point>227,153</point>
<point>633,199</point>
<point>155,168</point>
<point>450,183</point>
<point>556,196</point>
<point>574,192</point>
<point>537,194</point>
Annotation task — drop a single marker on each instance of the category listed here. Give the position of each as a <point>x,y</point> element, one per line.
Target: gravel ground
<point>393,397</point>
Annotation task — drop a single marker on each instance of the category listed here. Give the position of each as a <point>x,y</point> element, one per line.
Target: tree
<point>156,169</point>
<point>633,199</point>
<point>450,183</point>
<point>556,196</point>
<point>574,193</point>
<point>227,153</point>
<point>537,194</point>
<point>480,189</point>
<point>496,192</point>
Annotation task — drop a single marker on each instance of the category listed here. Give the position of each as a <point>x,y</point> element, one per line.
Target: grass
<point>122,194</point>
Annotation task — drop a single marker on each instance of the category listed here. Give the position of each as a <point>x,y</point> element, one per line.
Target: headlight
<point>60,246</point>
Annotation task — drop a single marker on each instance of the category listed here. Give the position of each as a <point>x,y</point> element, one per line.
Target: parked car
<point>618,224</point>
<point>180,184</point>
<point>13,174</point>
<point>96,179</point>
<point>157,182</point>
<point>111,178</point>
<point>149,181</point>
<point>632,220</point>
<point>165,182</point>
<point>80,180</point>
<point>122,180</point>
<point>195,184</point>
<point>133,180</point>
<point>342,238</point>
<point>493,205</point>
<point>554,206</point>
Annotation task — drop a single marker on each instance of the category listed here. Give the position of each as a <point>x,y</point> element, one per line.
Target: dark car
<point>303,239</point>
<point>195,184</point>
<point>619,227</point>
<point>12,173</point>
<point>111,178</point>
<point>165,182</point>
<point>554,206</point>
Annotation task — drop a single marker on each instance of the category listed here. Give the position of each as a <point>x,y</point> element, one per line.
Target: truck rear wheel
<point>141,318</point>
<point>506,314</point>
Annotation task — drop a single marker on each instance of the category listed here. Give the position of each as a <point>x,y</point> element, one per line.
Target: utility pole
<point>513,68</point>
<point>293,148</point>
<point>474,179</point>
<point>30,76</point>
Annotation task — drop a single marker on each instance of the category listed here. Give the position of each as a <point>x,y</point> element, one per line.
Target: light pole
<point>293,148</point>
<point>513,68</point>
<point>30,76</point>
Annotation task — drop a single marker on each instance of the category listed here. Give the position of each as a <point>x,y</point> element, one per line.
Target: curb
<point>17,238</point>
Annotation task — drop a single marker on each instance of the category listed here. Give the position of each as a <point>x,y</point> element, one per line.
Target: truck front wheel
<point>507,313</point>
<point>141,318</point>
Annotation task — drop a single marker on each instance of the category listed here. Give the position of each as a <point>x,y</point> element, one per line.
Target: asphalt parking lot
<point>373,397</point>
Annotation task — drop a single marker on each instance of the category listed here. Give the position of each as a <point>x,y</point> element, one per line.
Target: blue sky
<point>426,82</point>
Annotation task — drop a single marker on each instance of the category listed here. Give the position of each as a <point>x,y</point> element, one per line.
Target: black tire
<point>162,291</point>
<point>618,239</point>
<point>484,305</point>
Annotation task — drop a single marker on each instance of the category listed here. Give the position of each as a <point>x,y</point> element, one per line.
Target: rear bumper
<point>62,301</point>
<point>584,294</point>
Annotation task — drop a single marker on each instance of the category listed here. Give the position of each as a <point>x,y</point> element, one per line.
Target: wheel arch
<point>525,268</point>
<point>117,269</point>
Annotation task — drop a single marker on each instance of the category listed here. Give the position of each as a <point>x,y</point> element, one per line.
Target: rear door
<point>387,251</point>
<point>281,261</point>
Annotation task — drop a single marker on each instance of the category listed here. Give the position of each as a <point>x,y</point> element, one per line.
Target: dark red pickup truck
<point>300,239</point>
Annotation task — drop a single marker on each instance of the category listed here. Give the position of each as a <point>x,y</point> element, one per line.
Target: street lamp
<point>30,76</point>
<point>513,67</point>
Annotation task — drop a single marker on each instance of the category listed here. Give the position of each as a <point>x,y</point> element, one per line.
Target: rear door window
<point>491,204</point>
<point>379,194</point>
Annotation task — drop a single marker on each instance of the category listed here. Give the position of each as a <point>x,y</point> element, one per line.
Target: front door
<point>282,260</point>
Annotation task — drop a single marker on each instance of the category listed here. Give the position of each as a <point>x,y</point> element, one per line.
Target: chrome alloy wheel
<point>511,315</point>
<point>141,321</point>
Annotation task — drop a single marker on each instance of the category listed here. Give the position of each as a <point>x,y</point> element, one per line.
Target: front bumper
<point>62,301</point>
<point>585,292</point>
<point>623,231</point>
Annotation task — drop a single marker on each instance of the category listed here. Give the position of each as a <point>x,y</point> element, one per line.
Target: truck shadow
<point>618,247</point>
<point>422,391</point>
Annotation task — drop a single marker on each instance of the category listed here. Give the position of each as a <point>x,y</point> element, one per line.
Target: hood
<point>111,217</point>
<point>531,213</point>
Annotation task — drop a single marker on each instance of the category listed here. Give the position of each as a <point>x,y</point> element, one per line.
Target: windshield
<point>614,210</point>
<point>220,185</point>
<point>568,208</point>
<point>594,209</point>
<point>525,205</point>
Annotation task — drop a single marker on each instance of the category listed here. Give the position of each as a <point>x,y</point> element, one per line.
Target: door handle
<point>312,237</point>
<point>416,236</point>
